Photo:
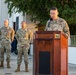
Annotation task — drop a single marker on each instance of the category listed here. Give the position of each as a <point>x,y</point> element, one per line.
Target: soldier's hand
<point>26,45</point>
<point>12,40</point>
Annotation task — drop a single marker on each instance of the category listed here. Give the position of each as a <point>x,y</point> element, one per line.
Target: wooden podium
<point>50,53</point>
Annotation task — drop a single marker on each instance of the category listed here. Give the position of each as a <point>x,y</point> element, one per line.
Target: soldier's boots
<point>26,68</point>
<point>8,64</point>
<point>18,69</point>
<point>2,64</point>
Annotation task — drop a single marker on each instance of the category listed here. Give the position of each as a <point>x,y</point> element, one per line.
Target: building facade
<point>3,12</point>
<point>16,18</point>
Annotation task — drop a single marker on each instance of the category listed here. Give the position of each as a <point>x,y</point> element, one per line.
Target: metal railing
<point>73,40</point>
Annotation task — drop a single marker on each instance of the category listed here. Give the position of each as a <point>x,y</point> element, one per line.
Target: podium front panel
<point>48,53</point>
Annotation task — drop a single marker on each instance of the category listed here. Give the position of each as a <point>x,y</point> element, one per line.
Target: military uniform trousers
<point>5,45</point>
<point>22,50</point>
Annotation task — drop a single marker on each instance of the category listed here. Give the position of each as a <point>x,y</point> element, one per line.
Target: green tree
<point>39,9</point>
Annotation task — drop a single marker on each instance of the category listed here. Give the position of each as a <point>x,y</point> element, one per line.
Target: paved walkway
<point>72,69</point>
<point>11,71</point>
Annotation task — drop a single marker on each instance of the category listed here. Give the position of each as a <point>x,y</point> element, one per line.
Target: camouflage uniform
<point>58,25</point>
<point>7,34</point>
<point>23,45</point>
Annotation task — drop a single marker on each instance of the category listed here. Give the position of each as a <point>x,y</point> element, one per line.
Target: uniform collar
<point>57,20</point>
<point>52,19</point>
<point>24,29</point>
<point>6,27</point>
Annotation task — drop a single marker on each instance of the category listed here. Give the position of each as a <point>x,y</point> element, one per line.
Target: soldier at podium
<point>56,23</point>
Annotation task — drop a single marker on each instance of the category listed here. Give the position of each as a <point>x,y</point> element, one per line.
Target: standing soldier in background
<point>22,36</point>
<point>56,23</point>
<point>7,36</point>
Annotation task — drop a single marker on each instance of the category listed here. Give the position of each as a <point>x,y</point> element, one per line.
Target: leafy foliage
<point>39,9</point>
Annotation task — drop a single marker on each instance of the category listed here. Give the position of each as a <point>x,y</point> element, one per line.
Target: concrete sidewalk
<point>11,71</point>
<point>72,69</point>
